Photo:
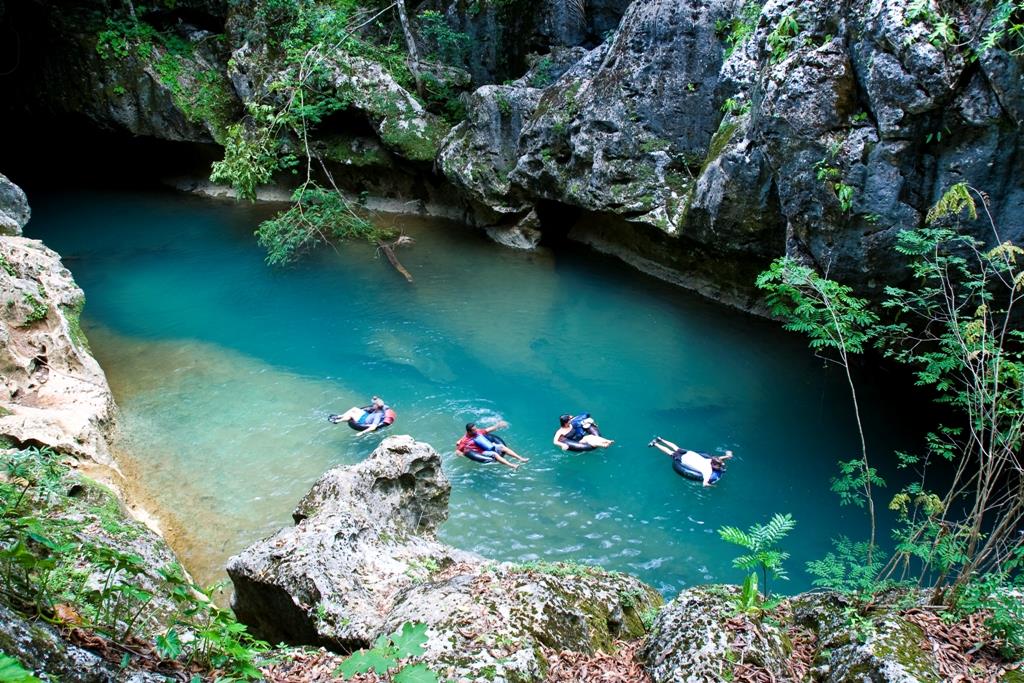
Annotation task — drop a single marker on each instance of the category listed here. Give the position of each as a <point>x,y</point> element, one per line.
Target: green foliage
<point>735,107</point>
<point>952,203</point>
<point>855,478</point>
<point>648,616</point>
<point>39,306</point>
<point>386,655</point>
<point>761,541</point>
<point>442,97</point>
<point>251,155</point>
<point>11,671</point>
<point>631,598</point>
<point>780,40</point>
<point>822,309</point>
<point>1005,28</point>
<point>998,594</point>
<point>7,267</point>
<point>216,640</point>
<point>740,27</point>
<point>504,105</point>
<point>543,73</point>
<point>123,38</point>
<point>50,554</point>
<point>749,599</point>
<point>317,215</point>
<point>445,44</point>
<point>862,626</point>
<point>847,568</point>
<point>844,193</point>
<point>828,172</point>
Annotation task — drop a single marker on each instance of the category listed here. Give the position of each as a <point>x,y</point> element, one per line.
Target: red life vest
<point>466,443</point>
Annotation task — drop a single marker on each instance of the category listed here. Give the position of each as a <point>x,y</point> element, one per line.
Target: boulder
<point>363,559</point>
<point>698,637</point>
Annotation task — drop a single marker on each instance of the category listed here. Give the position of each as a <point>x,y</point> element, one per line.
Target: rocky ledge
<point>54,393</point>
<point>363,558</point>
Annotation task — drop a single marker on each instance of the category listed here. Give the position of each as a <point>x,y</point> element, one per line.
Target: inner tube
<point>480,457</point>
<point>572,439</point>
<point>386,421</point>
<point>690,473</point>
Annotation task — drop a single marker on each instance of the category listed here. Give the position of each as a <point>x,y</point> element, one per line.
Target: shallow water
<point>225,370</point>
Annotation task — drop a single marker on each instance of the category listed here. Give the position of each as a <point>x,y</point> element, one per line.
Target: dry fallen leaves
<point>621,666</point>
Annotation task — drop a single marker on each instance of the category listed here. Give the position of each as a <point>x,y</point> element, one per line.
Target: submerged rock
<point>363,559</point>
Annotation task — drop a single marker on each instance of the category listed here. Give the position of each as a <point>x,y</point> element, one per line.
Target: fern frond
<point>731,534</point>
<point>952,203</point>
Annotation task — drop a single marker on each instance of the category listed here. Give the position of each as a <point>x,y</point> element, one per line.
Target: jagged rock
<point>14,210</point>
<point>481,152</point>
<point>745,154</point>
<point>363,559</point>
<point>623,139</point>
<point>893,650</point>
<point>137,86</point>
<point>54,392</point>
<point>690,640</point>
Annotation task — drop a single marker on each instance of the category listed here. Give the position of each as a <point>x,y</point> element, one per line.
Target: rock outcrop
<point>702,635</point>
<point>42,650</point>
<point>14,210</point>
<point>54,393</point>
<point>363,559</point>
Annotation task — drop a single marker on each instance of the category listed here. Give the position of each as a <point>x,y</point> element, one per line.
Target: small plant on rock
<point>761,540</point>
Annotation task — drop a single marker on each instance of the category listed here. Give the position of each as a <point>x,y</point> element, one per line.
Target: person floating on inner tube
<point>579,433</point>
<point>367,419</point>
<point>480,446</point>
<point>708,468</point>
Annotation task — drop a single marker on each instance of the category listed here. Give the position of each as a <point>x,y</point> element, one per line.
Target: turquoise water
<point>225,371</point>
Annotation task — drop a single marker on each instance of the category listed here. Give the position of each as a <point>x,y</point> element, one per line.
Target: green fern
<point>761,540</point>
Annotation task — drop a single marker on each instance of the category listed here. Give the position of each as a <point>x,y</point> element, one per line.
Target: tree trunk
<point>410,44</point>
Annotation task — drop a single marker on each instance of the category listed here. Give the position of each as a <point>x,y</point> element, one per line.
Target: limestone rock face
<point>363,559</point>
<point>52,391</point>
<point>14,210</point>
<point>820,139</point>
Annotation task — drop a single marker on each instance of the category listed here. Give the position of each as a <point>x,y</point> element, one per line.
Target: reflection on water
<point>225,371</point>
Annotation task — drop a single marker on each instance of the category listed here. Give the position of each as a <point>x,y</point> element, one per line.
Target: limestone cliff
<point>54,392</point>
<point>695,139</point>
<point>820,134</point>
